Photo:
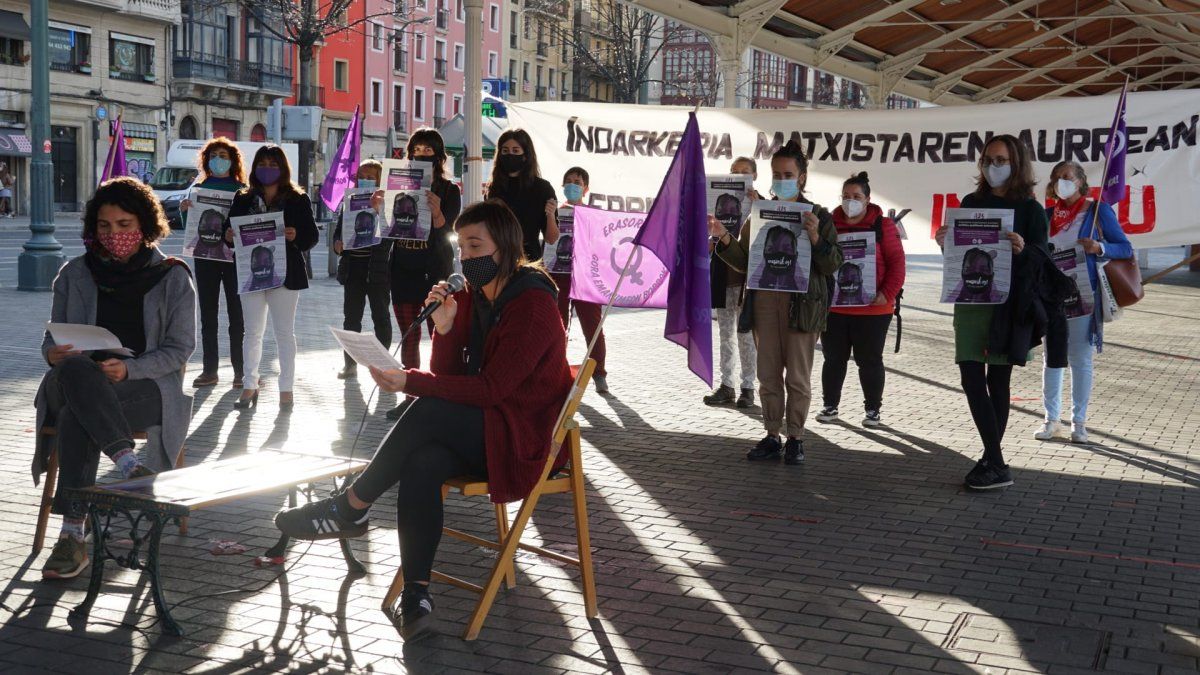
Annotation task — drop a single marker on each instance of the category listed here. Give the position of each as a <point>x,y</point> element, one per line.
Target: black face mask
<point>511,163</point>
<point>849,282</point>
<point>480,270</point>
<point>210,227</point>
<point>1073,299</point>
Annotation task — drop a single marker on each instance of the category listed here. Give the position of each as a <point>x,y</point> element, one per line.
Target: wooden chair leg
<point>179,462</point>
<point>510,575</point>
<point>393,592</point>
<point>48,488</point>
<point>582,535</point>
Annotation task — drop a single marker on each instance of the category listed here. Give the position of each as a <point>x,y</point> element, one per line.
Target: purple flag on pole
<point>114,164</point>
<point>1113,189</point>
<point>676,231</point>
<point>344,166</point>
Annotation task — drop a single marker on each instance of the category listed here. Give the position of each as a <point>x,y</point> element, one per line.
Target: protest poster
<point>405,209</point>
<point>977,261</point>
<point>780,250</point>
<point>854,285</point>
<point>603,243</point>
<point>729,199</point>
<point>557,256</point>
<point>1072,261</point>
<point>204,225</point>
<point>259,244</point>
<point>360,222</point>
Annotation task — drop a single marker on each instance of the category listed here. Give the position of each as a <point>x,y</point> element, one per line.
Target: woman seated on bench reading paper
<point>488,408</point>
<point>96,400</point>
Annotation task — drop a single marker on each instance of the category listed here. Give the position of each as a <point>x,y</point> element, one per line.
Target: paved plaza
<point>869,558</point>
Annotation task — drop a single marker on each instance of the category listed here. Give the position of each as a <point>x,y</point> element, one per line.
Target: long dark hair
<point>431,137</point>
<point>504,229</point>
<point>128,194</point>
<point>1019,186</point>
<point>501,181</point>
<point>237,170</point>
<point>285,185</point>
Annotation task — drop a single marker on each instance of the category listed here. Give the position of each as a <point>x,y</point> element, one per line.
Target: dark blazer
<point>1034,311</point>
<point>297,213</point>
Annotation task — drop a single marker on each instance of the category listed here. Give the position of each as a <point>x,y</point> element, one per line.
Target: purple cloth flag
<point>115,164</point>
<point>1113,189</point>
<point>676,231</point>
<point>344,166</point>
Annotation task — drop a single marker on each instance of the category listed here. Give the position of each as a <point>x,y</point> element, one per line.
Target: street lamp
<point>39,262</point>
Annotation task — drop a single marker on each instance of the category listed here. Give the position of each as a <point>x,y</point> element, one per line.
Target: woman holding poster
<point>363,269</point>
<point>864,299</point>
<point>786,324</point>
<point>221,169</point>
<point>1005,181</point>
<point>272,190</point>
<point>1078,253</point>
<point>418,265</point>
<point>517,182</point>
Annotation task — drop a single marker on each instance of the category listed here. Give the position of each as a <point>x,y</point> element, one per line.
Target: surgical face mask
<point>1065,189</point>
<point>785,189</point>
<point>573,192</point>
<point>997,175</point>
<point>853,207</point>
<point>267,175</point>
<point>511,163</point>
<point>219,166</point>
<point>366,183</point>
<point>480,270</point>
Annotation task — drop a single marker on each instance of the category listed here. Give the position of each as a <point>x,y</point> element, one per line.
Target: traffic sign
<point>101,112</point>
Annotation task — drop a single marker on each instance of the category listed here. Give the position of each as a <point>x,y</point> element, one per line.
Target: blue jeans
<point>1079,356</point>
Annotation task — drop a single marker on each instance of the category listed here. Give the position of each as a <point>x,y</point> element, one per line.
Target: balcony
<point>166,11</point>
<point>226,71</point>
<point>400,121</point>
<point>442,20</point>
<point>316,95</point>
<point>400,60</point>
<point>439,70</point>
<point>439,121</point>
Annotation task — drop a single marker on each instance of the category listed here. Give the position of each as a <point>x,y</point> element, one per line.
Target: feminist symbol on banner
<point>635,261</point>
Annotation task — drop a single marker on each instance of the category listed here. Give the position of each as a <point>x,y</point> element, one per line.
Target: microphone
<point>455,283</point>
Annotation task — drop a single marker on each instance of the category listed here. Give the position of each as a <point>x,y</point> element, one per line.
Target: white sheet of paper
<point>86,338</point>
<point>365,349</point>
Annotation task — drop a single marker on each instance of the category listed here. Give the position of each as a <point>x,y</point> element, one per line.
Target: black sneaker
<point>416,611</point>
<point>986,476</point>
<point>793,452</point>
<point>828,414</point>
<point>872,419</point>
<point>722,396</point>
<point>398,412</point>
<point>767,450</point>
<point>746,400</point>
<point>319,520</point>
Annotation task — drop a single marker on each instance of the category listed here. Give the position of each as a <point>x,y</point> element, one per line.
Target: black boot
<point>722,396</point>
<point>746,400</point>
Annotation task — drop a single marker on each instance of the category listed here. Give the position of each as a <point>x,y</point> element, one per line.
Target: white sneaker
<point>1048,432</point>
<point>1079,433</point>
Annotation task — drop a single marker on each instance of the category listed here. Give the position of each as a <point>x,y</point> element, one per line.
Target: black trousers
<point>987,390</point>
<point>865,337</point>
<point>433,441</point>
<point>356,293</point>
<point>93,415</point>
<point>211,277</point>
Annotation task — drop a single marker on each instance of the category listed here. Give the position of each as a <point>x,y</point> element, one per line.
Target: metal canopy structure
<point>960,51</point>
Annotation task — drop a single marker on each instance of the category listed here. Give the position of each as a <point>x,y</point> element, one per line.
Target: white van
<point>174,179</point>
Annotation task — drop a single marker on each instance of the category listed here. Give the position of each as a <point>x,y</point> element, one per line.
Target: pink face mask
<point>120,244</point>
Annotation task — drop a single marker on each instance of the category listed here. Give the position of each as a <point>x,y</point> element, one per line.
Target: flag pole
<point>1108,158</point>
<point>112,154</point>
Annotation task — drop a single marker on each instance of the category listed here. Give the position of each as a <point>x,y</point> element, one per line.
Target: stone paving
<point>870,558</point>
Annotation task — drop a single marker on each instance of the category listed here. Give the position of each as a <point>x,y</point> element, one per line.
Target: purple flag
<point>676,231</point>
<point>114,164</point>
<point>344,166</point>
<point>1113,187</point>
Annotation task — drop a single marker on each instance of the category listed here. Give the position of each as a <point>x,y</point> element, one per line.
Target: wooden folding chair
<point>568,480</point>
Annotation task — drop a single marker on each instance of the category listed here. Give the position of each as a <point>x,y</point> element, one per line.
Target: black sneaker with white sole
<point>988,476</point>
<point>320,520</point>
<point>828,414</point>
<point>767,450</point>
<point>416,611</point>
<point>872,419</point>
<point>793,452</point>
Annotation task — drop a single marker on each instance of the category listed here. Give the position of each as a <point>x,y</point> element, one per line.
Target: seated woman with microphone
<point>488,408</point>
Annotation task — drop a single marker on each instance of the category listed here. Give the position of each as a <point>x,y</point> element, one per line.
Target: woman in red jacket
<point>857,323</point>
<point>488,408</point>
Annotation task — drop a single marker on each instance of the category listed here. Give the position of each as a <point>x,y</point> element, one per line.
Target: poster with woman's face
<point>557,257</point>
<point>854,282</point>
<point>360,222</point>
<point>1072,262</point>
<point>780,250</point>
<point>204,225</point>
<point>261,254</point>
<point>729,199</point>
<point>977,262</point>
<point>406,207</point>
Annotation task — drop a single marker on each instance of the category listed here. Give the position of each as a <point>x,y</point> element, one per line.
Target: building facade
<point>107,58</point>
<point>537,58</point>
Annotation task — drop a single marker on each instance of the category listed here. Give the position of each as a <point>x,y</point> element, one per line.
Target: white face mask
<point>853,207</point>
<point>997,175</point>
<point>1065,189</point>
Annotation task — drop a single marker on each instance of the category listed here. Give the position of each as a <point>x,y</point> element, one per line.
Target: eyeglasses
<point>993,161</point>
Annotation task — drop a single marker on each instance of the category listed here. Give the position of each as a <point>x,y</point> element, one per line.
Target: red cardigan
<point>522,386</point>
<point>889,260</point>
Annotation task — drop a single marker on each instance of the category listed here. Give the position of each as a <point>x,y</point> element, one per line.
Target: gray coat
<point>169,311</point>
